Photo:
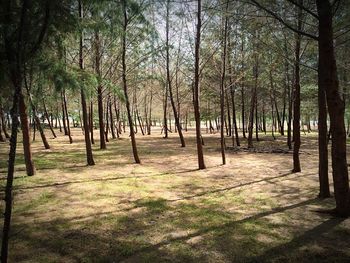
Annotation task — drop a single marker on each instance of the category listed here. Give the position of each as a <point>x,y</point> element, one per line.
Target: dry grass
<point>165,210</point>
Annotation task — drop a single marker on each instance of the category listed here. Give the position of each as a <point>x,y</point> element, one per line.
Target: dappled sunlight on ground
<point>165,210</point>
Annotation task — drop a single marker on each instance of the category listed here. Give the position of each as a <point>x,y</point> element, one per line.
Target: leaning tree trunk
<point>48,120</point>
<point>197,117</point>
<point>10,172</point>
<point>67,116</point>
<point>89,157</point>
<point>125,87</point>
<point>328,81</point>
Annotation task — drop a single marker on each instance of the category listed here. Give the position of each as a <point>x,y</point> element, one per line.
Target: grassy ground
<point>165,210</point>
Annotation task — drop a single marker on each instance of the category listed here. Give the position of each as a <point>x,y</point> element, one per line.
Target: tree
<point>196,93</point>
<point>89,156</point>
<point>125,87</point>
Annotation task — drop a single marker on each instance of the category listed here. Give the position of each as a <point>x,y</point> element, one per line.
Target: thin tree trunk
<point>127,103</point>
<point>63,115</point>
<point>296,119</point>
<point>99,93</point>
<point>222,87</point>
<point>10,170</point>
<point>67,117</point>
<point>111,118</point>
<point>89,157</point>
<point>253,101</point>
<point>176,116</point>
<point>150,114</point>
<point>196,91</point>
<point>91,122</point>
<point>48,120</point>
<point>30,168</point>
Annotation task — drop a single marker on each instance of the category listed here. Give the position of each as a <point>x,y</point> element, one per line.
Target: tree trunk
<point>222,86</point>
<point>322,145</point>
<point>67,116</point>
<point>99,93</point>
<point>10,171</point>
<point>3,122</point>
<point>89,157</point>
<point>127,103</point>
<point>296,106</point>
<point>328,81</point>
<point>196,91</point>
<point>253,101</point>
<point>30,168</point>
<point>63,115</point>
<point>176,116</point>
<point>48,120</point>
<point>91,122</point>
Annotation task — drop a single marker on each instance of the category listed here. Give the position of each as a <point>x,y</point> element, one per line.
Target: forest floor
<point>165,210</point>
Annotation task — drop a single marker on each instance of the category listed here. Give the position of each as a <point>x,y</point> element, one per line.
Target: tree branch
<point>304,8</point>
<point>278,18</point>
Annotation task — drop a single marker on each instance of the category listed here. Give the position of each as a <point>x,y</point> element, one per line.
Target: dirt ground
<point>165,210</point>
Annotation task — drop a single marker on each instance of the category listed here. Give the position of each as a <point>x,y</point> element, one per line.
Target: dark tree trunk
<point>111,119</point>
<point>322,145</point>
<point>127,103</point>
<point>222,86</point>
<point>256,119</point>
<point>150,114</point>
<point>165,107</point>
<point>89,157</point>
<point>242,95</point>
<point>253,101</point>
<point>201,164</point>
<point>10,171</point>
<point>63,115</point>
<point>41,130</point>
<point>279,122</point>
<point>328,81</point>
<point>99,93</point>
<point>91,122</point>
<point>107,122</point>
<point>67,116</point>
<point>296,105</point>
<point>48,120</point>
<point>30,168</point>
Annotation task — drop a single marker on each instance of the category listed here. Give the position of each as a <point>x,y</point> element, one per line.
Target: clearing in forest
<point>165,210</point>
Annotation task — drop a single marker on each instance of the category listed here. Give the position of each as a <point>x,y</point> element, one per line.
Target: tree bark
<point>196,92</point>
<point>89,157</point>
<point>48,120</point>
<point>99,93</point>
<point>30,168</point>
<point>328,81</point>
<point>322,145</point>
<point>222,87</point>
<point>296,104</point>
<point>127,103</point>
<point>169,82</point>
